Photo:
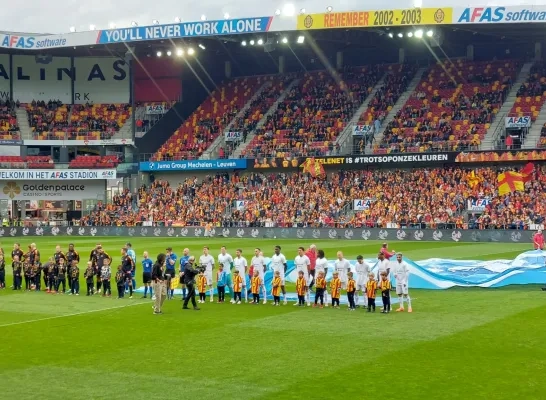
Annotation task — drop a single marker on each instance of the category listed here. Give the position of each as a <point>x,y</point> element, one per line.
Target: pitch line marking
<point>69,315</point>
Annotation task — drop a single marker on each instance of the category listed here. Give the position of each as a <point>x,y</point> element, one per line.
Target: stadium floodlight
<point>169,53</point>
<point>243,43</point>
<point>92,27</point>
<point>400,35</point>
<point>289,10</point>
<point>252,42</point>
<point>226,15</point>
<point>155,22</point>
<point>260,41</point>
<point>201,46</point>
<point>329,9</point>
<point>285,40</point>
<point>203,17</point>
<point>72,29</point>
<point>277,12</point>
<point>179,52</point>
<point>191,51</point>
<point>410,34</point>
<point>417,3</point>
<point>112,25</point>
<point>301,39</point>
<point>159,54</point>
<point>430,33</point>
<point>391,35</point>
<point>302,11</point>
<point>134,23</point>
<point>419,33</point>
<point>177,20</point>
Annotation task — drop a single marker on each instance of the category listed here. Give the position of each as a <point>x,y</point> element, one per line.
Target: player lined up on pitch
<point>245,282</point>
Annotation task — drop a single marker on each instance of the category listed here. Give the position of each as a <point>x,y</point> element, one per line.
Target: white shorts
<point>344,284</point>
<point>208,275</point>
<point>401,289</point>
<point>361,284</point>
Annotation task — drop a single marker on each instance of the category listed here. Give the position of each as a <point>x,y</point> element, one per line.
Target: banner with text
<point>192,165</point>
<point>517,122</point>
<point>478,205</point>
<point>101,142</point>
<point>361,130</point>
<point>378,18</point>
<point>51,190</point>
<point>355,234</point>
<point>158,109</point>
<point>361,205</point>
<point>500,15</point>
<point>233,136</point>
<point>56,174</point>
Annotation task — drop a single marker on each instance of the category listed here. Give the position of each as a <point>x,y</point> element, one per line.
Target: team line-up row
<point>311,268</point>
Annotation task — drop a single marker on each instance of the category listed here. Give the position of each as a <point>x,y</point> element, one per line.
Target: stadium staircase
<point>531,141</point>
<point>497,127</point>
<point>125,132</point>
<point>378,138</point>
<point>345,139</point>
<point>22,119</point>
<point>239,150</point>
<point>212,152</point>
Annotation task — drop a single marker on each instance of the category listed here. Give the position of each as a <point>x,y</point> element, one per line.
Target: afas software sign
<point>51,190</point>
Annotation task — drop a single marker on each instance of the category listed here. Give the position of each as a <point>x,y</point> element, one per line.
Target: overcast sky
<point>57,16</point>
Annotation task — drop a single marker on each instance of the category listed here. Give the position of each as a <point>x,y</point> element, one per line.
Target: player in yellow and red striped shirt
<point>276,292</point>
<point>320,285</point>
<point>255,285</point>
<point>335,289</point>
<point>351,290</point>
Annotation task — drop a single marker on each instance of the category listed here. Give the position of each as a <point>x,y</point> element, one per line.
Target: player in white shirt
<point>302,264</point>
<point>241,265</point>
<point>342,267</point>
<point>258,263</point>
<point>362,270</point>
<point>383,266</point>
<point>401,274</point>
<point>207,261</point>
<point>225,259</point>
<point>322,266</point>
<point>278,263</point>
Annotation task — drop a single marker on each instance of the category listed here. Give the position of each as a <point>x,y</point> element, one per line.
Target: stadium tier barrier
<point>354,234</point>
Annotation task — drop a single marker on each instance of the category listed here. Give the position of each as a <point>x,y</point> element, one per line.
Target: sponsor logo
<point>106,231</point>
<point>13,232</point>
<point>484,15</point>
<point>515,236</point>
<point>400,234</point>
<point>348,234</point>
<point>157,232</point>
<point>93,231</point>
<point>143,231</point>
<point>285,233</point>
<point>240,233</point>
<point>55,231</point>
<point>300,233</point>
<point>316,233</point>
<point>69,230</point>
<point>197,232</point>
<point>456,236</point>
<point>26,231</point>
<point>439,16</point>
<point>366,234</point>
<point>11,189</point>
<point>119,231</point>
<point>332,234</point>
<point>225,232</point>
<point>170,232</point>
<point>39,231</point>
<point>308,22</point>
<point>2,232</point>
<point>270,233</point>
<point>495,236</point>
<point>476,236</point>
<point>184,232</point>
<point>131,232</point>
<point>81,231</point>
<point>255,233</point>
<point>437,235</point>
<point>418,235</point>
<point>382,234</point>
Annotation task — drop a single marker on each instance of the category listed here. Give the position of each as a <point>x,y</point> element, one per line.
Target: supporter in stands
<point>9,129</point>
<point>422,198</point>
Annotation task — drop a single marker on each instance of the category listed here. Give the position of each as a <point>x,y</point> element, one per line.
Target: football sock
<point>409,301</point>
<point>145,290</point>
<point>401,301</point>
<point>246,294</point>
<point>211,294</point>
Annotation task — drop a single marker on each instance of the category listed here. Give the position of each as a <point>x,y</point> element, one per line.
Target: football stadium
<point>356,191</point>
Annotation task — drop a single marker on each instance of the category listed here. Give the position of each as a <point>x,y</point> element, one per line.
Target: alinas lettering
<point>19,73</point>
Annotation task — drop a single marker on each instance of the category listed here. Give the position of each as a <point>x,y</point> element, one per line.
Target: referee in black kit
<point>189,281</point>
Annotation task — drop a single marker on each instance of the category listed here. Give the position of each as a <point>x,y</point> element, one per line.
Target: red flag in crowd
<point>527,172</point>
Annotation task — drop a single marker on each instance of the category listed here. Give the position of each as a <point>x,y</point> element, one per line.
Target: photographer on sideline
<point>158,279</point>
<point>189,280</point>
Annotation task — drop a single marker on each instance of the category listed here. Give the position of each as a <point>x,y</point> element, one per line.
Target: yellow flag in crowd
<point>509,182</point>
<point>313,167</point>
<point>473,180</point>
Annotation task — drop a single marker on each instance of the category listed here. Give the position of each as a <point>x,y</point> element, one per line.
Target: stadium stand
<point>9,128</point>
<point>311,117</point>
<point>31,162</point>
<point>209,120</point>
<point>54,120</point>
<point>420,198</point>
<point>532,94</point>
<point>451,109</point>
<point>83,162</point>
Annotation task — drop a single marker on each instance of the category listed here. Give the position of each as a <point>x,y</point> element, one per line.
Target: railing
<point>120,167</point>
<point>105,136</point>
<point>429,146</point>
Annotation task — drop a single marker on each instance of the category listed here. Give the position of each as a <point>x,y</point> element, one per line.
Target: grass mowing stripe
<point>71,315</point>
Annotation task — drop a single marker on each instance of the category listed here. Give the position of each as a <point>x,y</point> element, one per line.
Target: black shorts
<point>128,276</point>
<point>146,277</point>
<point>170,272</point>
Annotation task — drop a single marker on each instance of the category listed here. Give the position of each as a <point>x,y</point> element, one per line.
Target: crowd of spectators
<point>9,128</point>
<point>312,115</point>
<point>425,198</point>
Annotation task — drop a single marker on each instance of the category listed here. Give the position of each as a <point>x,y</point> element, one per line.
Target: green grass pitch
<point>457,344</point>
